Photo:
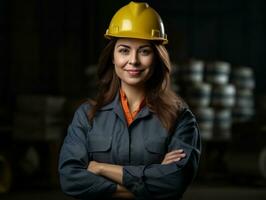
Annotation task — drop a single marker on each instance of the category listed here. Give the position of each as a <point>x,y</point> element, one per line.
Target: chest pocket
<point>99,147</point>
<point>155,150</point>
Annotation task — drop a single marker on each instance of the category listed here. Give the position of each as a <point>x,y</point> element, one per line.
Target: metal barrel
<point>243,77</point>
<point>222,124</point>
<point>244,108</point>
<point>242,114</point>
<point>199,95</point>
<point>244,98</point>
<point>218,72</point>
<point>205,118</point>
<point>223,96</point>
<point>191,71</point>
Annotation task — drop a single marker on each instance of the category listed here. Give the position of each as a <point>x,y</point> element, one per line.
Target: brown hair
<point>160,98</point>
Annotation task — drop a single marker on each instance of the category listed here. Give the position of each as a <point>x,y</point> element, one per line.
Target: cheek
<point>119,62</point>
<point>118,70</point>
<point>149,64</point>
<point>150,71</point>
<point>148,61</point>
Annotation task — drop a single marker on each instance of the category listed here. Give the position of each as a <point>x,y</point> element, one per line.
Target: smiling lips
<point>134,72</point>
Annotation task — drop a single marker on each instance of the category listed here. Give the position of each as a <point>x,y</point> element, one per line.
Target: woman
<point>137,140</point>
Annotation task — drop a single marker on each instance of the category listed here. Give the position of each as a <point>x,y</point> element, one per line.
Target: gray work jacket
<point>139,148</point>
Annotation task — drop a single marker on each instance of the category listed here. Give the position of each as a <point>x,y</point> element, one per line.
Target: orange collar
<point>130,116</point>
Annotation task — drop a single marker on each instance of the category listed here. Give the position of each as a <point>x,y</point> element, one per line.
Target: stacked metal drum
<point>243,79</point>
<point>217,94</point>
<point>197,94</point>
<point>222,98</point>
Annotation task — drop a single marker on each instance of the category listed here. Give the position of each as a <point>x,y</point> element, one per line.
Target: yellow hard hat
<point>137,20</point>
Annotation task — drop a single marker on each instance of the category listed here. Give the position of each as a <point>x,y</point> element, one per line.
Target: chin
<point>134,83</point>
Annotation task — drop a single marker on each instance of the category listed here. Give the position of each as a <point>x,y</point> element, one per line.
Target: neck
<point>134,96</point>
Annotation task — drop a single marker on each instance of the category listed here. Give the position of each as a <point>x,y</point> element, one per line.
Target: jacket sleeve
<point>158,181</point>
<point>75,180</point>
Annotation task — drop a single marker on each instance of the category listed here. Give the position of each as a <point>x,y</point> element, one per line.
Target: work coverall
<point>139,148</point>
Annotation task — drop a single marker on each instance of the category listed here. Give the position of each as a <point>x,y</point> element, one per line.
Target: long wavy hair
<point>160,98</point>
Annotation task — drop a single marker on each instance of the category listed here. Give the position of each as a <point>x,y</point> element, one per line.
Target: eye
<point>123,51</point>
<point>145,51</point>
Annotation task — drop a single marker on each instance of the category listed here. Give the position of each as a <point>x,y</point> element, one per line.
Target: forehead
<point>132,42</point>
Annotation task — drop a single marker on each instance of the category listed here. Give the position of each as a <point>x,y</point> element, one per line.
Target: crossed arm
<point>115,172</point>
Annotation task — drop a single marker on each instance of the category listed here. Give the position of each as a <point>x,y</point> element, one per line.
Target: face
<point>133,60</point>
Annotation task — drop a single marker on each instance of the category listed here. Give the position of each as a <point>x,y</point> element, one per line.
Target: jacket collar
<point>116,106</point>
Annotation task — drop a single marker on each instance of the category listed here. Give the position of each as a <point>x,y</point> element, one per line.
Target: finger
<point>174,160</point>
<point>175,152</point>
<point>174,156</point>
<point>171,161</point>
<point>182,155</point>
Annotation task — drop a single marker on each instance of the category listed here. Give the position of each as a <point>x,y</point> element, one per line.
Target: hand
<point>173,156</point>
<point>110,171</point>
<point>122,192</point>
<point>94,167</point>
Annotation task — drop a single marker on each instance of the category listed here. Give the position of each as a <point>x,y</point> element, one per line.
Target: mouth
<point>134,72</point>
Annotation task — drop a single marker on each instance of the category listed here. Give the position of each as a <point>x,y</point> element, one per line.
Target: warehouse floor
<point>195,192</point>
<point>225,193</point>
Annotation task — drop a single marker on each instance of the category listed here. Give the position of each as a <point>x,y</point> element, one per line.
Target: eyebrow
<point>140,47</point>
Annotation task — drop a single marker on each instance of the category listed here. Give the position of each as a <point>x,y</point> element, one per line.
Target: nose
<point>133,60</point>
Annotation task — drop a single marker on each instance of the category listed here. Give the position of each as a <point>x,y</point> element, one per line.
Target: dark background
<point>46,46</point>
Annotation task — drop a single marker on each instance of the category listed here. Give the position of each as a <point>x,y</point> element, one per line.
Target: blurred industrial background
<point>49,49</point>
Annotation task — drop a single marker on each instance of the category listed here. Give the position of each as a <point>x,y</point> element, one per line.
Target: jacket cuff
<point>133,179</point>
